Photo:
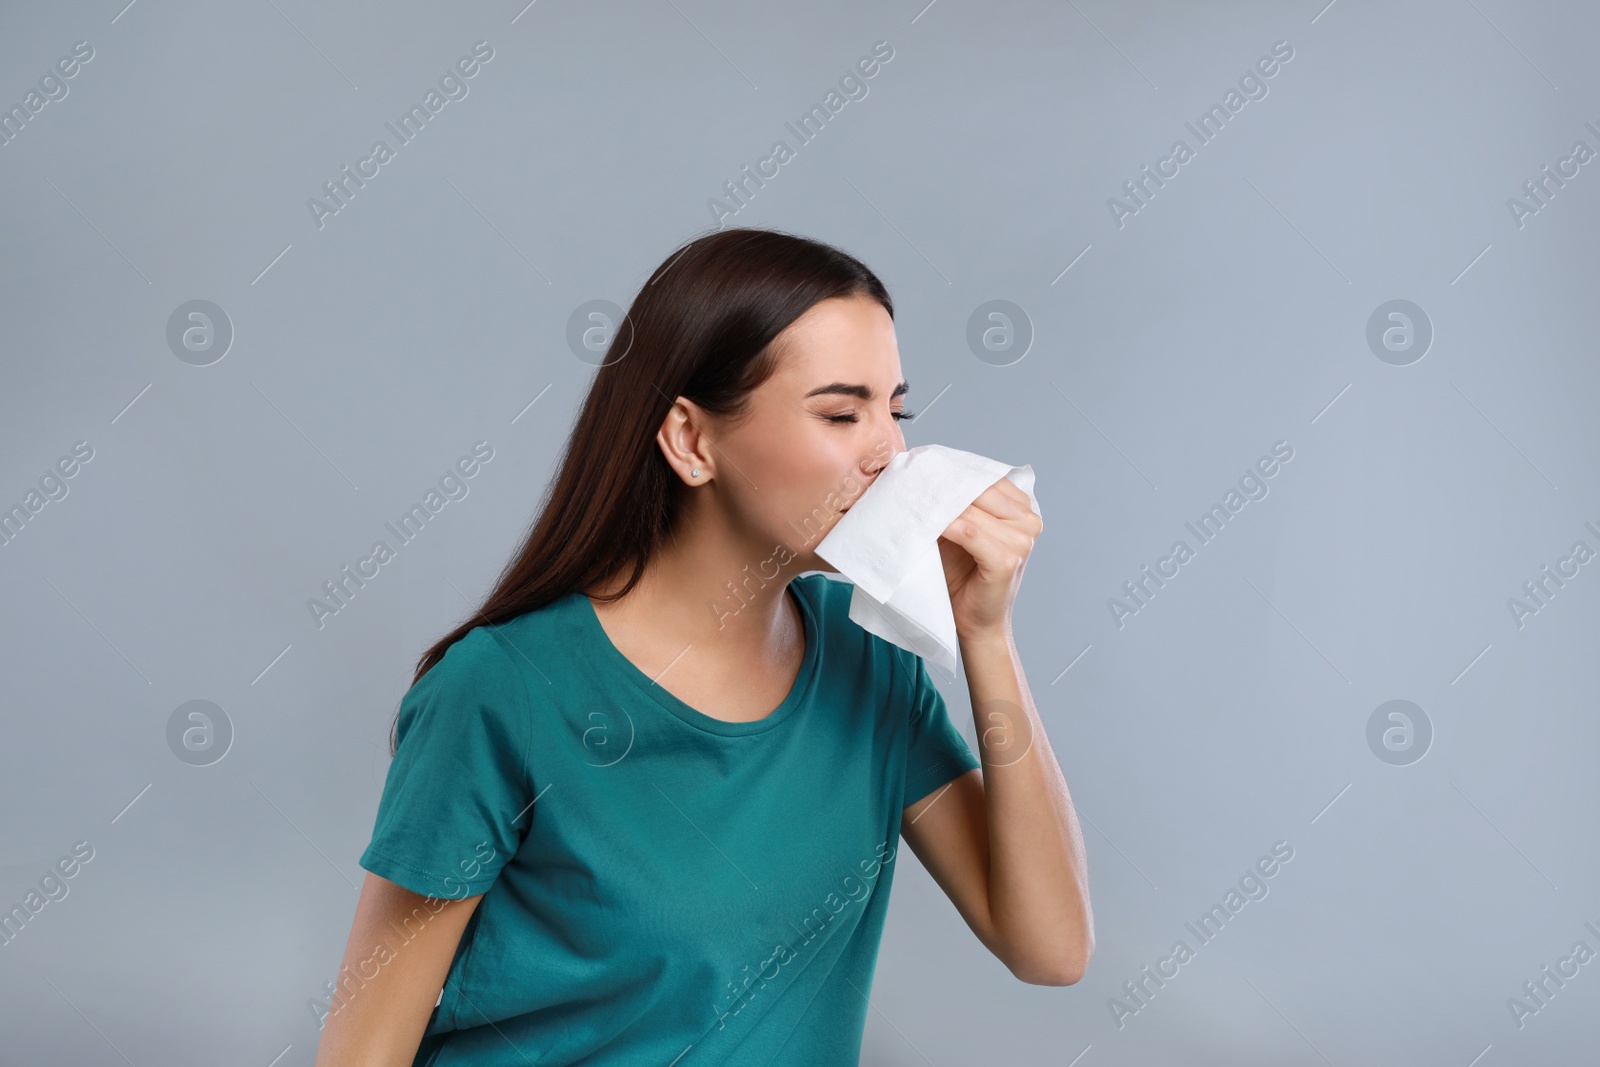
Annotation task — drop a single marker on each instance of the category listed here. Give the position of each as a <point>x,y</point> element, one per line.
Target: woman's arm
<point>1005,845</point>
<point>1038,871</point>
<point>395,963</point>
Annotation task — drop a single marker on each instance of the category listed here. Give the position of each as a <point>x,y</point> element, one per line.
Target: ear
<point>684,444</point>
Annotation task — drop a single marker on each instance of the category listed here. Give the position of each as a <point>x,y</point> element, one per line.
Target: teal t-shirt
<point>660,886</point>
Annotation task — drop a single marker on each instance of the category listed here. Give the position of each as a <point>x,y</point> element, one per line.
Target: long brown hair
<point>702,327</point>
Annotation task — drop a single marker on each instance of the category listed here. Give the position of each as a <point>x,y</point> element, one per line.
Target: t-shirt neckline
<point>630,672</point>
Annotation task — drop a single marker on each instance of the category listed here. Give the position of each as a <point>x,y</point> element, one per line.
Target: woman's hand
<point>984,552</point>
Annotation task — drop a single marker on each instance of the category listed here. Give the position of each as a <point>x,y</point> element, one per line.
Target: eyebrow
<point>860,392</point>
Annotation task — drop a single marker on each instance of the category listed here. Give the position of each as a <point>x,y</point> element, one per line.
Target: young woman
<point>645,805</point>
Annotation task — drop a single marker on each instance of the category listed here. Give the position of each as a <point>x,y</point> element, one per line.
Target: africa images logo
<point>452,87</point>
<point>1252,886</point>
<point>812,925</point>
<point>1252,86</point>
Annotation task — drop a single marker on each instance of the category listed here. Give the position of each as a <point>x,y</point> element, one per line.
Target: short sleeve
<point>937,752</point>
<point>458,787</point>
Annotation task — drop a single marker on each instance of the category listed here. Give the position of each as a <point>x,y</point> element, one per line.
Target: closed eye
<point>852,417</point>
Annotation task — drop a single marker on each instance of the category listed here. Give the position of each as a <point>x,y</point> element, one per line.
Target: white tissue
<point>888,545</point>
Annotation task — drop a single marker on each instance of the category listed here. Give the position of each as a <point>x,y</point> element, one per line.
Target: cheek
<point>811,489</point>
<point>796,475</point>
<point>806,485</point>
<point>826,474</point>
<point>807,453</point>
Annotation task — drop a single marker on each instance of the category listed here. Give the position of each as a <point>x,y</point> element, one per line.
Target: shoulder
<point>847,643</point>
<point>476,681</point>
<point>478,656</point>
<point>505,652</point>
<point>823,593</point>
<point>514,662</point>
<point>829,600</point>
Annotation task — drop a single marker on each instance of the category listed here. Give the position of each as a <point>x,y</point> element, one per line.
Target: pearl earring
<point>695,473</point>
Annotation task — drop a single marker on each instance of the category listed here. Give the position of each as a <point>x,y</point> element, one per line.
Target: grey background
<point>431,312</point>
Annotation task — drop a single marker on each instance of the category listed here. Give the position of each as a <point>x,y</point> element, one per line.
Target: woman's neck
<point>705,593</point>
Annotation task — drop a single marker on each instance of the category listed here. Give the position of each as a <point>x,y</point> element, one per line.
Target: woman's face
<point>818,431</point>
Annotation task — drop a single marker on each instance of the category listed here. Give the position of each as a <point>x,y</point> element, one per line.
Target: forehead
<point>841,338</point>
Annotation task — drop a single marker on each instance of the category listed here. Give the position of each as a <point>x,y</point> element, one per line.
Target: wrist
<point>996,637</point>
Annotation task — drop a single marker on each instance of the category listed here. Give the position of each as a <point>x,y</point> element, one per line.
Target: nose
<point>873,464</point>
<point>871,467</point>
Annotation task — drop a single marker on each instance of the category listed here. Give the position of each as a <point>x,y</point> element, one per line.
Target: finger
<point>1004,499</point>
<point>1016,535</point>
<point>1012,489</point>
<point>1015,507</point>
<point>988,538</point>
